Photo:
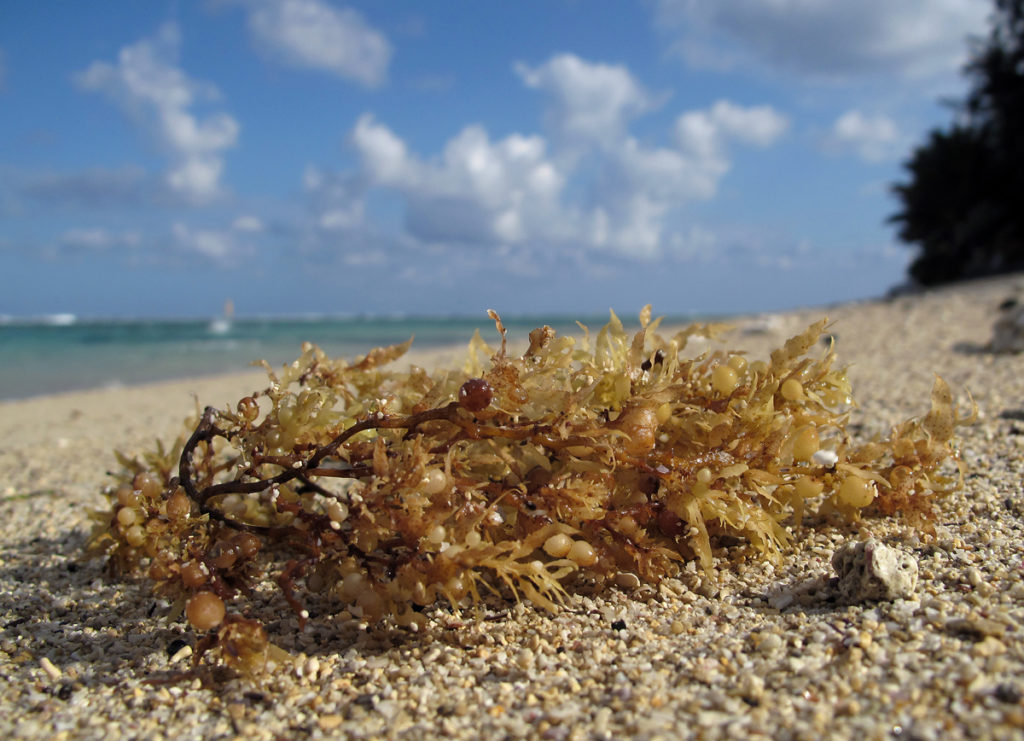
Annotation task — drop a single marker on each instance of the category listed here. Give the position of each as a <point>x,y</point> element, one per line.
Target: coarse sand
<point>755,652</point>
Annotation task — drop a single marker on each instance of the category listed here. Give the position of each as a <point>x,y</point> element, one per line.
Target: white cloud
<point>873,138</point>
<point>97,239</point>
<point>479,191</point>
<point>911,39</point>
<point>643,185</point>
<point>592,103</point>
<point>758,126</point>
<point>590,108</point>
<point>515,191</point>
<point>385,156</point>
<point>704,136</point>
<point>248,223</point>
<point>696,243</point>
<point>315,35</point>
<point>890,252</point>
<point>219,246</point>
<point>633,225</point>
<point>664,173</point>
<point>693,168</point>
<point>150,88</point>
<point>337,201</point>
<point>524,199</point>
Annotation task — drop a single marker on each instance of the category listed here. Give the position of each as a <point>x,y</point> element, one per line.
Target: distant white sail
<point>222,324</point>
<point>60,320</point>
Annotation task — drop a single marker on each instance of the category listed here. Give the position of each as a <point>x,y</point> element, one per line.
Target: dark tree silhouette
<point>964,203</point>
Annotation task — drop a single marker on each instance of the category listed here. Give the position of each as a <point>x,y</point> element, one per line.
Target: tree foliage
<point>963,203</point>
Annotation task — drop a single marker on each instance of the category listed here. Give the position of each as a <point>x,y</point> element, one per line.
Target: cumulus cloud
<point>591,102</point>
<point>248,223</point>
<point>758,126</point>
<point>315,35</point>
<point>150,88</point>
<point>873,138</point>
<point>663,173</point>
<point>220,246</point>
<point>642,185</point>
<point>522,190</point>
<point>704,137</point>
<point>478,190</point>
<point>912,39</point>
<point>385,156</point>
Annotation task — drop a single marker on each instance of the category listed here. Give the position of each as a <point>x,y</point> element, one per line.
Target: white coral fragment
<point>870,570</point>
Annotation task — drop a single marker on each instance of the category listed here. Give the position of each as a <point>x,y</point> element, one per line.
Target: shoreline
<point>695,657</point>
<point>749,326</point>
<point>40,360</point>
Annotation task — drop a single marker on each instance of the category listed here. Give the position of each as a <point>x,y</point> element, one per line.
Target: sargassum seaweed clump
<point>514,476</point>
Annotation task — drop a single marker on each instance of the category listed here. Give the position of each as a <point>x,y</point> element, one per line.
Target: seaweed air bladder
<point>515,477</point>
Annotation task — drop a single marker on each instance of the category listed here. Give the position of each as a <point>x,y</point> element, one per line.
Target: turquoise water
<point>64,354</point>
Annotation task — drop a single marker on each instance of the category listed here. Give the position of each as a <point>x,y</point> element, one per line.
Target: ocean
<point>62,353</point>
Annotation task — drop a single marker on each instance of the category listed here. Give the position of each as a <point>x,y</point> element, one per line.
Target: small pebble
<point>182,653</point>
<point>627,580</point>
<point>48,667</point>
<point>770,643</point>
<point>174,648</point>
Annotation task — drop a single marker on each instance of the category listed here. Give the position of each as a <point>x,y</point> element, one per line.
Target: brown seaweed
<point>515,476</point>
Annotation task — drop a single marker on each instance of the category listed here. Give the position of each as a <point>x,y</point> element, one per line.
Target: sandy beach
<point>747,654</point>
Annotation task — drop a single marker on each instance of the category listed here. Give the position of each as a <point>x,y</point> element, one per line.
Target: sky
<point>402,157</point>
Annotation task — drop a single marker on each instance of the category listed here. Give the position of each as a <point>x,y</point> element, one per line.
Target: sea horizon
<point>60,352</point>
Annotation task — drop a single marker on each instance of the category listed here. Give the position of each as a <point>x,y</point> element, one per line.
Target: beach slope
<point>753,651</point>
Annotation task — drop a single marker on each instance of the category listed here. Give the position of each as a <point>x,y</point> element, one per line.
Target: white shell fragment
<point>870,570</point>
<point>827,458</point>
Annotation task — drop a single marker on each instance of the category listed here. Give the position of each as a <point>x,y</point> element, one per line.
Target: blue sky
<point>534,157</point>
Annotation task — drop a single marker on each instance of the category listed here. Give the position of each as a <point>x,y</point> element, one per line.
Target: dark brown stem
<point>204,431</point>
<point>286,580</point>
<point>303,470</point>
